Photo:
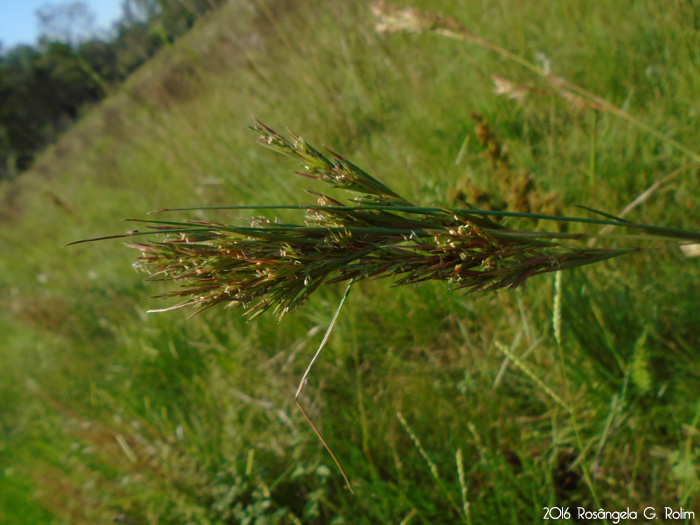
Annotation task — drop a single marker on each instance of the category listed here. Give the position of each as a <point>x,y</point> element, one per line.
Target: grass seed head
<point>269,264</point>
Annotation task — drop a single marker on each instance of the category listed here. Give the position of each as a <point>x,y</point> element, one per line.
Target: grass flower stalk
<point>265,264</point>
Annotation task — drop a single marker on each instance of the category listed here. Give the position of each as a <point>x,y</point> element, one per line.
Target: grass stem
<point>306,376</point>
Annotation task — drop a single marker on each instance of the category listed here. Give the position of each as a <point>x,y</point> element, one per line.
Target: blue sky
<point>19,25</point>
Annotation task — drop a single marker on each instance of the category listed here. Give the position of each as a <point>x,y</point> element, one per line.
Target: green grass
<point>106,411</point>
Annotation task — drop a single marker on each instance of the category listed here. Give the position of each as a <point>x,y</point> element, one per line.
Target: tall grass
<point>205,406</point>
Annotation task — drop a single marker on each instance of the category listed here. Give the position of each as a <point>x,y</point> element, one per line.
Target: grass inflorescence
<point>207,406</point>
<point>272,264</point>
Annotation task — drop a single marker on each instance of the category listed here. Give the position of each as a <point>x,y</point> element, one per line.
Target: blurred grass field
<point>442,408</point>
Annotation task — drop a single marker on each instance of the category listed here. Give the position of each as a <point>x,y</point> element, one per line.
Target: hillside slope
<point>442,408</point>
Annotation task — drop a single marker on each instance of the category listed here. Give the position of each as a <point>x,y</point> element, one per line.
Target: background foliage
<point>443,408</point>
<point>44,88</point>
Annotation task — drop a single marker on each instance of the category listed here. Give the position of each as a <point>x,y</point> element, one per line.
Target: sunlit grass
<point>206,405</point>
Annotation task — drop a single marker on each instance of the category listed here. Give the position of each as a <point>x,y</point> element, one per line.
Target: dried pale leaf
<point>690,250</point>
<point>508,88</point>
<point>392,19</point>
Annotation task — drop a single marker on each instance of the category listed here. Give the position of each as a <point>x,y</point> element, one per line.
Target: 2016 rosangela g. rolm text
<point>648,513</point>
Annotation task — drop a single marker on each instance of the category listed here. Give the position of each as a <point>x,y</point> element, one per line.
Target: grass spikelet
<point>556,309</point>
<point>416,441</point>
<point>639,368</point>
<point>526,369</point>
<point>434,472</point>
<point>463,485</point>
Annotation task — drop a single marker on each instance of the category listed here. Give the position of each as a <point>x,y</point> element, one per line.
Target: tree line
<point>45,87</point>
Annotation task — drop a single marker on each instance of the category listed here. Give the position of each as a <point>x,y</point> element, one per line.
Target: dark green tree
<point>44,88</point>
